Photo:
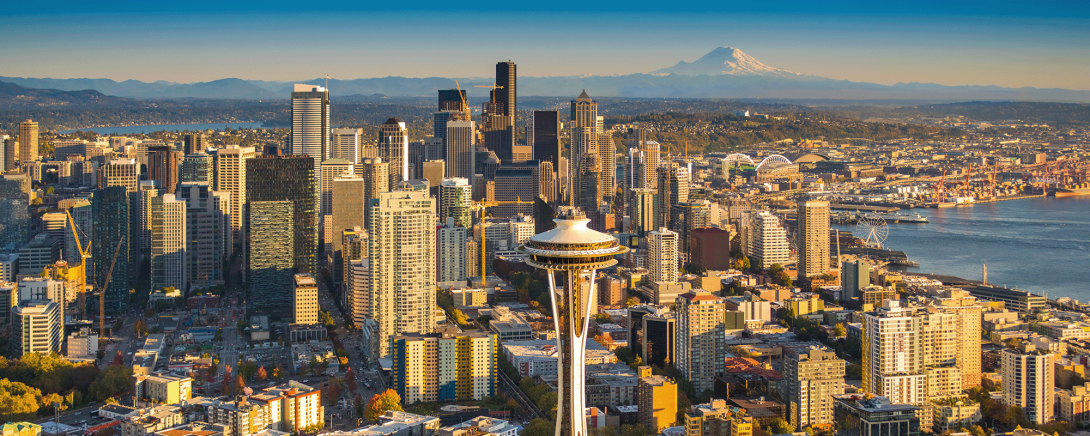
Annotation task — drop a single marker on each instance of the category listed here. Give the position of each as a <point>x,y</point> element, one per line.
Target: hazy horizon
<point>1043,45</point>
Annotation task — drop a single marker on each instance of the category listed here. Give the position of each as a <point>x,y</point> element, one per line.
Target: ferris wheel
<point>874,231</point>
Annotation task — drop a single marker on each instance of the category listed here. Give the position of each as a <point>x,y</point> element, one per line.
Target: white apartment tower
<point>1029,381</point>
<point>451,257</point>
<point>230,176</point>
<point>310,122</point>
<point>456,201</point>
<point>662,255</point>
<point>813,238</point>
<point>332,169</point>
<point>892,366</point>
<point>168,242</point>
<point>765,238</point>
<point>35,328</point>
<point>402,252</point>
<point>810,379</point>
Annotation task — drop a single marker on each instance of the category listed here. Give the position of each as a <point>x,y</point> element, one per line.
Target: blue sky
<point>1041,43</point>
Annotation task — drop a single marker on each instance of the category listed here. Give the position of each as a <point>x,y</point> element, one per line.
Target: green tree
<point>840,331</point>
<point>114,381</point>
<point>779,426</point>
<point>539,427</point>
<point>602,318</point>
<point>547,403</point>
<point>631,301</point>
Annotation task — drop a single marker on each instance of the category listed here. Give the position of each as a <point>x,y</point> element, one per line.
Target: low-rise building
<point>953,413</point>
<point>21,429</point>
<point>866,415</point>
<point>1074,403</point>
<point>163,388</point>
<point>538,357</point>
<point>149,421</point>
<point>656,397</point>
<point>480,426</point>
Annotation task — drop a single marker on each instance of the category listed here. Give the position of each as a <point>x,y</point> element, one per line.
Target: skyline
<point>1004,45</point>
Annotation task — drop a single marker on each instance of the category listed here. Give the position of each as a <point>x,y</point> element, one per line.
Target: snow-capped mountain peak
<point>725,61</point>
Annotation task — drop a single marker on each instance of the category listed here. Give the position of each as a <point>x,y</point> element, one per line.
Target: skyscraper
<point>274,179</point>
<point>685,217</point>
<point>304,300</point>
<point>8,162</point>
<point>662,256</point>
<point>230,176</point>
<point>813,238</point>
<point>346,145</point>
<point>673,188</point>
<point>701,341</point>
<point>461,145</point>
<point>892,363</point>
<point>14,211</point>
<point>811,378</point>
<point>855,276</point>
<point>455,201</point>
<point>393,143</point>
<point>112,235</point>
<point>516,183</point>
<point>584,150</point>
<point>36,327</point>
<point>451,99</point>
<point>310,123</point>
<point>376,178</point>
<point>28,141</point>
<point>349,206</point>
<point>332,169</point>
<point>197,168</point>
<point>546,139</point>
<point>208,231</point>
<point>607,162</point>
<point>451,256</point>
<point>168,242</point>
<point>765,238</point>
<point>121,172</point>
<point>163,165</point>
<point>506,96</point>
<point>1029,381</point>
<point>401,248</point>
<point>193,143</point>
<point>576,253</point>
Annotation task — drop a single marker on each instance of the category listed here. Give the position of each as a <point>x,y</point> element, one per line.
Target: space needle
<point>571,254</point>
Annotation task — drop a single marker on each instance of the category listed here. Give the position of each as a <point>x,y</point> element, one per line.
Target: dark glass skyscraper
<point>111,210</point>
<point>451,99</point>
<point>546,139</point>
<point>505,77</point>
<point>276,186</point>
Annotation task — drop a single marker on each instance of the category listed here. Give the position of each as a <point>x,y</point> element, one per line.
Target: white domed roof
<point>572,231</point>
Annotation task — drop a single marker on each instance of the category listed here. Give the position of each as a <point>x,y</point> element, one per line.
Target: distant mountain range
<point>725,72</point>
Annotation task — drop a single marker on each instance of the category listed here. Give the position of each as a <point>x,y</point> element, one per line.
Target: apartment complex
<point>445,366</point>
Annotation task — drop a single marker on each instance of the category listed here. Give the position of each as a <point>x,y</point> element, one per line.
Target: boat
<point>1073,190</point>
<point>898,217</point>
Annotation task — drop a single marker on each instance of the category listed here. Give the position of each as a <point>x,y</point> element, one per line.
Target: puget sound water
<point>1040,245</point>
<point>126,130</point>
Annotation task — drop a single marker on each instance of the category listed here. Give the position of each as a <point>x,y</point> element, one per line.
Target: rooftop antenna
<point>327,82</point>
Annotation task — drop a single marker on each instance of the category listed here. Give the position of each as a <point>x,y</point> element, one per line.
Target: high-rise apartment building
<point>168,243</point>
<point>163,163</point>
<point>445,366</point>
<point>662,256</point>
<point>193,143</point>
<point>376,177</point>
<point>358,290</point>
<point>346,144</point>
<point>393,144</point>
<point>1029,382</point>
<point>230,177</point>
<point>673,188</point>
<point>304,300</point>
<point>811,378</point>
<point>813,238</point>
<point>607,161</point>
<point>35,328</point>
<point>112,235</point>
<point>451,256</point>
<point>208,231</point>
<point>460,148</point>
<point>197,167</point>
<point>701,339</point>
<point>765,238</point>
<point>273,180</point>
<point>310,126</point>
<point>892,364</point>
<point>656,397</point>
<point>855,276</point>
<point>456,201</point>
<point>546,141</point>
<point>121,172</point>
<point>402,252</point>
<point>28,141</point>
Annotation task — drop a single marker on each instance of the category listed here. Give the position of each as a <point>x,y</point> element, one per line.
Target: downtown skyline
<point>961,44</point>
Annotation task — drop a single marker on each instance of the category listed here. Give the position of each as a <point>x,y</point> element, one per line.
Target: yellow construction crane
<point>465,106</point>
<point>481,205</point>
<point>82,268</point>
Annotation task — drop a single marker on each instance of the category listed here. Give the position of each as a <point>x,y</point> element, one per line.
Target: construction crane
<point>481,205</point>
<point>102,291</point>
<point>465,106</point>
<point>82,267</point>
